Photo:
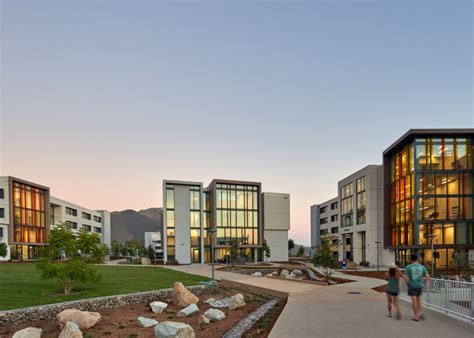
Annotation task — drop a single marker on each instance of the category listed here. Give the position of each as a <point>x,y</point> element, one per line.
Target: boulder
<point>146,261</point>
<point>296,273</point>
<point>203,320</point>
<point>158,307</point>
<point>83,319</point>
<point>71,330</point>
<point>187,311</point>
<point>209,301</point>
<point>214,315</point>
<point>174,330</point>
<point>225,302</point>
<point>29,332</point>
<point>146,322</point>
<point>237,301</point>
<point>181,296</point>
<point>311,274</point>
<point>257,274</point>
<point>284,273</point>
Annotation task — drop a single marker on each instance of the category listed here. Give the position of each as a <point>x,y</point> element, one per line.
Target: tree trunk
<point>67,287</point>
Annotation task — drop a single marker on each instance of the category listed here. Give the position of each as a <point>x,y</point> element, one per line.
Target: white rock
<point>209,301</point>
<point>158,307</point>
<point>284,273</point>
<point>257,274</point>
<point>203,320</point>
<point>84,319</point>
<point>29,332</point>
<point>187,311</point>
<point>237,301</point>
<point>174,330</point>
<point>71,330</point>
<point>146,322</point>
<point>214,315</point>
<point>146,261</point>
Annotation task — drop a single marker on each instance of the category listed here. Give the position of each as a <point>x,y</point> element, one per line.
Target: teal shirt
<point>416,273</point>
<point>393,285</point>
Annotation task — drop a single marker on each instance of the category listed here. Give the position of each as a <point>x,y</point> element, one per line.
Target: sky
<point>102,100</point>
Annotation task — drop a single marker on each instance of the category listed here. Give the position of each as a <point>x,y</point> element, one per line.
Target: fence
<point>451,296</point>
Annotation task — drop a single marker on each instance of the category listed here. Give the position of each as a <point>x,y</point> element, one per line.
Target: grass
<point>21,284</point>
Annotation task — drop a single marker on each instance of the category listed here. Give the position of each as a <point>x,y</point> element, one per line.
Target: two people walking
<point>416,276</point>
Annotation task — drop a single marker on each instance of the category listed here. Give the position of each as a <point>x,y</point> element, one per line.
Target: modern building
<point>325,224</point>
<point>153,239</point>
<point>352,223</point>
<point>429,196</point>
<point>27,213</point>
<point>236,209</point>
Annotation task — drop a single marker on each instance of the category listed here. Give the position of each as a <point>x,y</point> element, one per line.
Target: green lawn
<point>21,284</point>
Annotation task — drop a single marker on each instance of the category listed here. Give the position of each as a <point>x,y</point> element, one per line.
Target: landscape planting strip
<point>49,311</point>
<point>249,321</point>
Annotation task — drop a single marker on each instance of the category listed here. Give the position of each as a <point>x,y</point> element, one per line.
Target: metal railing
<point>451,296</point>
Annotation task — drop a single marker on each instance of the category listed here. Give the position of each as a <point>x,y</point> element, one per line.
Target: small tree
<point>90,247</point>
<point>115,248</point>
<point>291,244</point>
<point>150,252</point>
<point>233,250</point>
<point>300,252</point>
<point>62,259</point>
<point>3,250</point>
<point>134,247</point>
<point>324,259</point>
<point>266,249</point>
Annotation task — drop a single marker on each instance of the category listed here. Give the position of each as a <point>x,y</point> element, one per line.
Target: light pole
<point>432,237</point>
<point>377,242</point>
<point>212,231</point>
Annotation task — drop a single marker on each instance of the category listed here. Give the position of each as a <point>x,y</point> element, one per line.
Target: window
<point>98,230</point>
<point>97,219</point>
<point>323,220</point>
<point>334,230</point>
<point>1,232</point>
<point>87,228</point>
<point>2,213</point>
<point>2,194</point>
<point>72,225</point>
<point>361,200</point>
<point>346,205</point>
<point>71,211</point>
<point>322,210</point>
<point>85,215</point>
<point>323,232</point>
<point>334,206</point>
<point>334,218</point>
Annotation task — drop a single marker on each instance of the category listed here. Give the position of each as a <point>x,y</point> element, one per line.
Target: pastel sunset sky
<point>102,100</point>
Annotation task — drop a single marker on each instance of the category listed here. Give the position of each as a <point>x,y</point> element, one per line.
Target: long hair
<point>392,272</point>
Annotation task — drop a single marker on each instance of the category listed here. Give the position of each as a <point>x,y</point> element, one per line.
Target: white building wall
<point>276,215</point>
<point>102,228</point>
<point>330,212</point>
<point>4,221</point>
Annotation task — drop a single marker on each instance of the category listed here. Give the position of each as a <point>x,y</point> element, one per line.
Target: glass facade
<point>195,222</point>
<point>361,200</point>
<point>431,195</point>
<point>237,216</point>
<point>170,224</point>
<point>30,221</point>
<point>347,201</point>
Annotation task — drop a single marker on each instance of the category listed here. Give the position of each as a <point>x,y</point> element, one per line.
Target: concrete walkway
<point>345,310</point>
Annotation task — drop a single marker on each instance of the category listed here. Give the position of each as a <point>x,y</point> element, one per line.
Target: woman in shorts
<point>393,289</point>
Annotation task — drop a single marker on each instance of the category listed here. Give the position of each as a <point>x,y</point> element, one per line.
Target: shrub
<point>3,250</point>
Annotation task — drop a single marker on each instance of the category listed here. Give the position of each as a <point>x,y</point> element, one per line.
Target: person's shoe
<point>398,316</point>
<point>389,316</point>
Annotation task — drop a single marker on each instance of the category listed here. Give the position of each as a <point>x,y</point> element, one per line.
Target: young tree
<point>91,247</point>
<point>134,247</point>
<point>291,244</point>
<point>62,260</point>
<point>266,249</point>
<point>233,250</point>
<point>115,248</point>
<point>324,259</point>
<point>300,252</point>
<point>150,252</point>
<point>3,250</point>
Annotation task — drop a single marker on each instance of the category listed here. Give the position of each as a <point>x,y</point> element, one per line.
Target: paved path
<point>335,311</point>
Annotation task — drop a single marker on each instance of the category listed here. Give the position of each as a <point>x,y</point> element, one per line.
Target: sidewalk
<point>345,310</point>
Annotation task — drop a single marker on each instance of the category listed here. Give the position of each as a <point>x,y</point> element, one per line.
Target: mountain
<point>131,224</point>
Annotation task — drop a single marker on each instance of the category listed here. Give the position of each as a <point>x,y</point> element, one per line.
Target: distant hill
<point>131,224</point>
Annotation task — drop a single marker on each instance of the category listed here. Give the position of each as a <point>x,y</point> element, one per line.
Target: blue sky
<point>102,100</point>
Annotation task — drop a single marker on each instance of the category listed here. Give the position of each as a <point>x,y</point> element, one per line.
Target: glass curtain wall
<point>431,196</point>
<point>195,222</point>
<point>237,217</point>
<point>347,201</point>
<point>361,200</point>
<point>207,225</point>
<point>170,224</point>
<point>29,220</point>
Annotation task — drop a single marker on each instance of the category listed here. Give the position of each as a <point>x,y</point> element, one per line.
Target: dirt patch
<point>380,288</point>
<point>122,322</point>
<point>263,327</point>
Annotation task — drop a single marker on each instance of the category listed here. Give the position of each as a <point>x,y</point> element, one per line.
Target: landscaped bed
<point>122,321</point>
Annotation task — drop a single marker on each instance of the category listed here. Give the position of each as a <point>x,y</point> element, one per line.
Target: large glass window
<point>361,200</point>
<point>170,223</point>
<point>347,205</point>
